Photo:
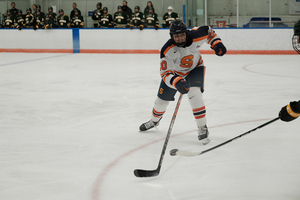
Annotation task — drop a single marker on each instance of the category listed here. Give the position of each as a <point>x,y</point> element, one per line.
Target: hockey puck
<point>173,152</point>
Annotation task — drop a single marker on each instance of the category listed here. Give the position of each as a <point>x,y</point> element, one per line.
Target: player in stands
<point>169,17</point>
<point>38,7</point>
<point>137,19</point>
<point>182,70</point>
<point>63,20</point>
<point>29,18</point>
<point>97,15</point>
<point>121,18</point>
<point>151,20</point>
<point>48,22</point>
<point>40,19</point>
<point>290,111</point>
<point>9,20</point>
<point>77,20</point>
<point>52,17</point>
<point>20,20</point>
<point>106,19</point>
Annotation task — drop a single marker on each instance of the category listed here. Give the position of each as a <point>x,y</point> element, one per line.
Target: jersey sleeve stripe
<point>211,35</point>
<point>167,72</point>
<point>182,74</point>
<point>200,38</point>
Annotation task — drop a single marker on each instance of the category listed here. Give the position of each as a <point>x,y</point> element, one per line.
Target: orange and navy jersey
<point>181,61</point>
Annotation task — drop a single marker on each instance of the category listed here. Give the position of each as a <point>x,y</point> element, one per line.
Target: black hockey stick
<point>175,152</point>
<point>151,173</point>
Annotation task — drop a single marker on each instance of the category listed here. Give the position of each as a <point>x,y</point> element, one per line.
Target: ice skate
<point>148,125</point>
<point>203,134</point>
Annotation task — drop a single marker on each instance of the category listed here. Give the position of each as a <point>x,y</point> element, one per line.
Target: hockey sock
<point>159,109</point>
<point>197,104</point>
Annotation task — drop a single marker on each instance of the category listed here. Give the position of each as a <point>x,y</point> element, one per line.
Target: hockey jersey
<point>182,60</point>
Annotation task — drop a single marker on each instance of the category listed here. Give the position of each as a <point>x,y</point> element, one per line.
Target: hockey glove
<point>289,112</point>
<point>127,25</point>
<point>218,47</point>
<point>180,84</point>
<point>131,27</point>
<point>156,27</point>
<point>141,27</point>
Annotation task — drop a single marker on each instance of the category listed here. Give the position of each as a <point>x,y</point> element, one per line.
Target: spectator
<point>151,20</point>
<point>146,10</point>
<point>52,17</point>
<point>40,19</point>
<point>121,18</point>
<point>106,19</point>
<point>62,20</point>
<point>77,20</point>
<point>97,14</point>
<point>34,9</point>
<point>9,20</point>
<point>13,10</point>
<point>126,9</point>
<point>29,18</point>
<point>137,19</point>
<point>73,11</point>
<point>169,17</point>
<point>20,20</point>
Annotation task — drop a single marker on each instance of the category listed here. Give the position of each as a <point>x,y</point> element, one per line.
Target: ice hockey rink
<point>69,129</point>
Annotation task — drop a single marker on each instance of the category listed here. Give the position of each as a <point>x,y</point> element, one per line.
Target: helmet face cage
<point>296,43</point>
<point>177,27</point>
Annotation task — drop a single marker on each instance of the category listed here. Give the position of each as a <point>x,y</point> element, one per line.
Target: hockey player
<point>40,19</point>
<point>52,17</point>
<point>290,111</point>
<point>182,70</point>
<point>121,18</point>
<point>63,20</point>
<point>106,19</point>
<point>151,20</point>
<point>97,15</point>
<point>169,17</point>
<point>29,19</point>
<point>42,14</point>
<point>137,19</point>
<point>77,21</point>
<point>48,22</point>
<point>9,20</point>
<point>20,21</point>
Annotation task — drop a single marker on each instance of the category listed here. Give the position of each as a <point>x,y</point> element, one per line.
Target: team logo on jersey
<point>197,46</point>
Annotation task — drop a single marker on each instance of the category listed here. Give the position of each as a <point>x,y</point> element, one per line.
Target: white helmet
<point>170,8</point>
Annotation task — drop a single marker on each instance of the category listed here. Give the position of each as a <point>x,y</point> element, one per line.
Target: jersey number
<point>186,62</point>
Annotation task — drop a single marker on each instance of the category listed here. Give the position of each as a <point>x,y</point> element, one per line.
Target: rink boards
<point>237,41</point>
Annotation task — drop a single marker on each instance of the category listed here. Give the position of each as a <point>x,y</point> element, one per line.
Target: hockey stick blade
<point>151,173</point>
<point>145,173</point>
<point>175,152</point>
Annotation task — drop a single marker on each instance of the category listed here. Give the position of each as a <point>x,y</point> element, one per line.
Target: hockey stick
<point>151,173</point>
<point>175,152</point>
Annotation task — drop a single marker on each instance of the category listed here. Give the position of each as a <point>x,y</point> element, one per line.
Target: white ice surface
<point>69,129</point>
